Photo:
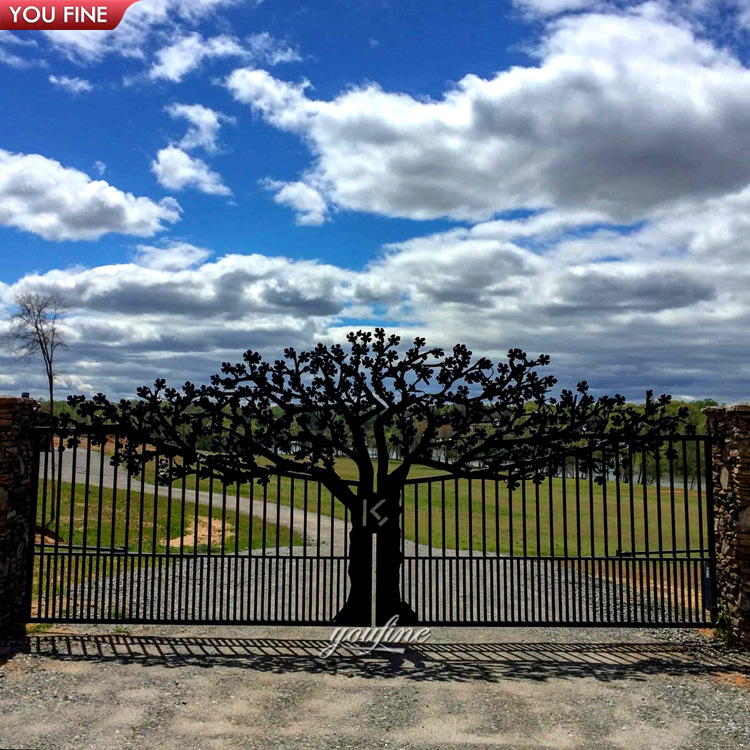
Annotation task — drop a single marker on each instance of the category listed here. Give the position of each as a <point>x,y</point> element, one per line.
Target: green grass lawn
<point>108,521</point>
<point>544,519</point>
<point>113,522</point>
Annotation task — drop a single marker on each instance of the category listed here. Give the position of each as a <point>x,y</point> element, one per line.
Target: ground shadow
<point>12,645</point>
<point>453,662</point>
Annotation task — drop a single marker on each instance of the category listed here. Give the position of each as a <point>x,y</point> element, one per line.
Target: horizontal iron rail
<point>66,551</point>
<point>318,623</point>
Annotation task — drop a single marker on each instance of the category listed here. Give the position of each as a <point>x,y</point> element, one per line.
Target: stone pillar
<point>16,536</point>
<point>731,484</point>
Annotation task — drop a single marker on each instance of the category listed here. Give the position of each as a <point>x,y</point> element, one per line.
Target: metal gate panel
<point>121,548</point>
<point>635,550</point>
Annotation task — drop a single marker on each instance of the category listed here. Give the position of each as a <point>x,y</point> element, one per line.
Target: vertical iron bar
<point>432,594</point>
<point>660,530</point>
<point>58,502</point>
<point>154,581</point>
<point>237,582</point>
<point>306,585</point>
<point>689,553</point>
<point>127,579</point>
<point>329,578</point>
<point>100,591</point>
<point>444,564</point>
<point>291,543</point>
<point>525,542</point>
<point>72,594</point>
<point>31,551</point>
<point>262,560</point>
<point>278,587</point>
<point>117,581</point>
<point>183,573</point>
<point>495,586</point>
<point>549,583</point>
<point>252,571</point>
<point>37,438</point>
<point>632,592</point>
<point>537,579</point>
<point>197,561</point>
<point>579,550</point>
<point>484,549</point>
<point>672,502</point>
<point>604,586</point>
<point>565,539</point>
<point>470,589</point>
<point>318,560</point>
<point>169,594</point>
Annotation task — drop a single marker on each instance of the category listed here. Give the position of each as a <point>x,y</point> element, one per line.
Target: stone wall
<point>16,457</point>
<point>731,480</point>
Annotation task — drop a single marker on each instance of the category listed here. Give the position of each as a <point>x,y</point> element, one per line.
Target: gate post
<point>731,486</point>
<point>16,497</point>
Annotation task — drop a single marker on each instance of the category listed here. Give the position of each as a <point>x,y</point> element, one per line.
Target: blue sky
<point>417,49</point>
<point>566,176</point>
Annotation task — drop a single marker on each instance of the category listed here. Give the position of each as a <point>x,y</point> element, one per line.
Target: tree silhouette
<point>448,411</point>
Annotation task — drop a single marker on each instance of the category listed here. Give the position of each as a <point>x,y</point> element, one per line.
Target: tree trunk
<point>389,559</point>
<point>358,607</point>
<point>53,514</point>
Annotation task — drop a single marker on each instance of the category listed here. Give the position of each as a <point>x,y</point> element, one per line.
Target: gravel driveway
<point>225,687</point>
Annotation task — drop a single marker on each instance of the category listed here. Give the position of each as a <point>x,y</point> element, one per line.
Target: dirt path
<point>534,689</point>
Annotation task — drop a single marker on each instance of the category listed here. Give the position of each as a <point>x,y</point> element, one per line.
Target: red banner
<point>58,15</point>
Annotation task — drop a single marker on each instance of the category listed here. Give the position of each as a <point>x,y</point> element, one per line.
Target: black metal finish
<point>161,561</point>
<point>630,551</point>
<point>636,550</point>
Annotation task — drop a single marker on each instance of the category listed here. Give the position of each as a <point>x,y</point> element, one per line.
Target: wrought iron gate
<point>121,548</point>
<point>635,550</point>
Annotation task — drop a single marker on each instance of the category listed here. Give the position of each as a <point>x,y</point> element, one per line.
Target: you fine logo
<point>367,640</point>
<point>61,15</point>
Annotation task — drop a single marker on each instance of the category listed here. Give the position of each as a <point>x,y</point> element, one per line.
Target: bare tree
<point>35,330</point>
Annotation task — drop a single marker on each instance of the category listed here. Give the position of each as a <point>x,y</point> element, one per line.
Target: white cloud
<point>268,50</point>
<point>309,206</point>
<point>283,104</point>
<point>657,320</point>
<point>14,59</point>
<point>42,196</point>
<point>176,170</point>
<point>661,317</point>
<point>130,324</point>
<point>555,7</point>
<point>100,167</point>
<point>172,256</point>
<point>604,123</point>
<point>187,54</point>
<point>74,85</point>
<point>141,21</point>
<point>204,125</point>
